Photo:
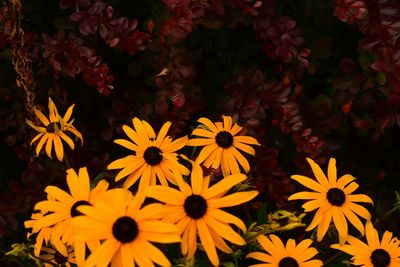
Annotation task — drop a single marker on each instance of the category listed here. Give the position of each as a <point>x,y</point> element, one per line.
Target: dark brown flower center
<point>125,229</point>
<point>288,262</point>
<point>52,127</point>
<point>195,206</point>
<point>74,209</point>
<point>59,258</point>
<point>224,139</point>
<point>152,155</point>
<point>336,197</point>
<point>380,258</point>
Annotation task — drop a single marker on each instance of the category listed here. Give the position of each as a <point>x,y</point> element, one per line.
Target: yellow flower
<point>285,256</point>
<point>57,257</point>
<point>196,209</point>
<point>384,253</point>
<point>334,199</point>
<point>221,144</point>
<point>153,157</point>
<point>125,229</point>
<point>54,130</point>
<point>61,207</point>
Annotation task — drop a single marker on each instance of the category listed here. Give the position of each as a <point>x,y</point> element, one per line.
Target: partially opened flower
<point>374,253</point>
<point>196,210</point>
<point>333,199</point>
<point>126,231</point>
<point>61,207</point>
<point>153,157</point>
<point>54,131</point>
<point>58,257</point>
<point>279,255</point>
<point>221,143</point>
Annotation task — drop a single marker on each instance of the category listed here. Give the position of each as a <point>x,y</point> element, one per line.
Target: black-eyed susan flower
<point>57,257</point>
<point>279,255</point>
<point>43,235</point>
<point>333,199</point>
<point>221,143</point>
<point>60,207</point>
<point>153,157</point>
<point>374,253</point>
<point>125,230</point>
<point>196,210</point>
<point>54,131</point>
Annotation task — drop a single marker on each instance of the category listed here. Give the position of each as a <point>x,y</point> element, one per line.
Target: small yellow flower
<point>55,129</point>
<point>196,210</point>
<point>221,143</point>
<point>153,157</point>
<point>333,199</point>
<point>374,253</point>
<point>278,254</point>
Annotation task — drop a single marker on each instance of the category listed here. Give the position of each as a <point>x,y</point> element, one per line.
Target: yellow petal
<point>246,140</point>
<point>372,236</point>
<point>211,126</point>
<point>224,185</point>
<point>68,114</point>
<point>67,140</point>
<point>318,173</point>
<point>41,117</point>
<point>126,144</point>
<point>162,133</point>
<point>340,222</point>
<point>58,147</point>
<point>196,179</point>
<point>49,145</point>
<point>332,173</point>
<point>203,133</point>
<point>227,218</point>
<point>166,195</point>
<point>224,231</point>
<point>207,242</point>
<point>324,225</point>
<point>307,182</point>
<point>41,143</point>
<point>232,199</point>
<point>206,152</point>
<point>200,142</point>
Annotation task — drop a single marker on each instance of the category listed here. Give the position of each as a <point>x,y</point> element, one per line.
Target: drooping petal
<point>224,185</point>
<point>207,242</point>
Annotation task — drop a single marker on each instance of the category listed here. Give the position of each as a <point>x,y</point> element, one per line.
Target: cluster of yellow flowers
<point>100,226</point>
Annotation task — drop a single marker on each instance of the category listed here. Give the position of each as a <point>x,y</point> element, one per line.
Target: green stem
<point>66,160</point>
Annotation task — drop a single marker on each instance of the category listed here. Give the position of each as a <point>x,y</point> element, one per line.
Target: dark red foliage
<point>281,38</point>
<point>66,54</point>
<point>119,32</point>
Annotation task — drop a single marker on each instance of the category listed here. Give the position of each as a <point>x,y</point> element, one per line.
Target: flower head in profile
<point>333,199</point>
<point>196,210</point>
<point>54,131</point>
<point>279,255</point>
<point>64,256</point>
<point>126,230</point>
<point>55,213</point>
<point>222,144</point>
<point>374,253</point>
<point>153,156</point>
